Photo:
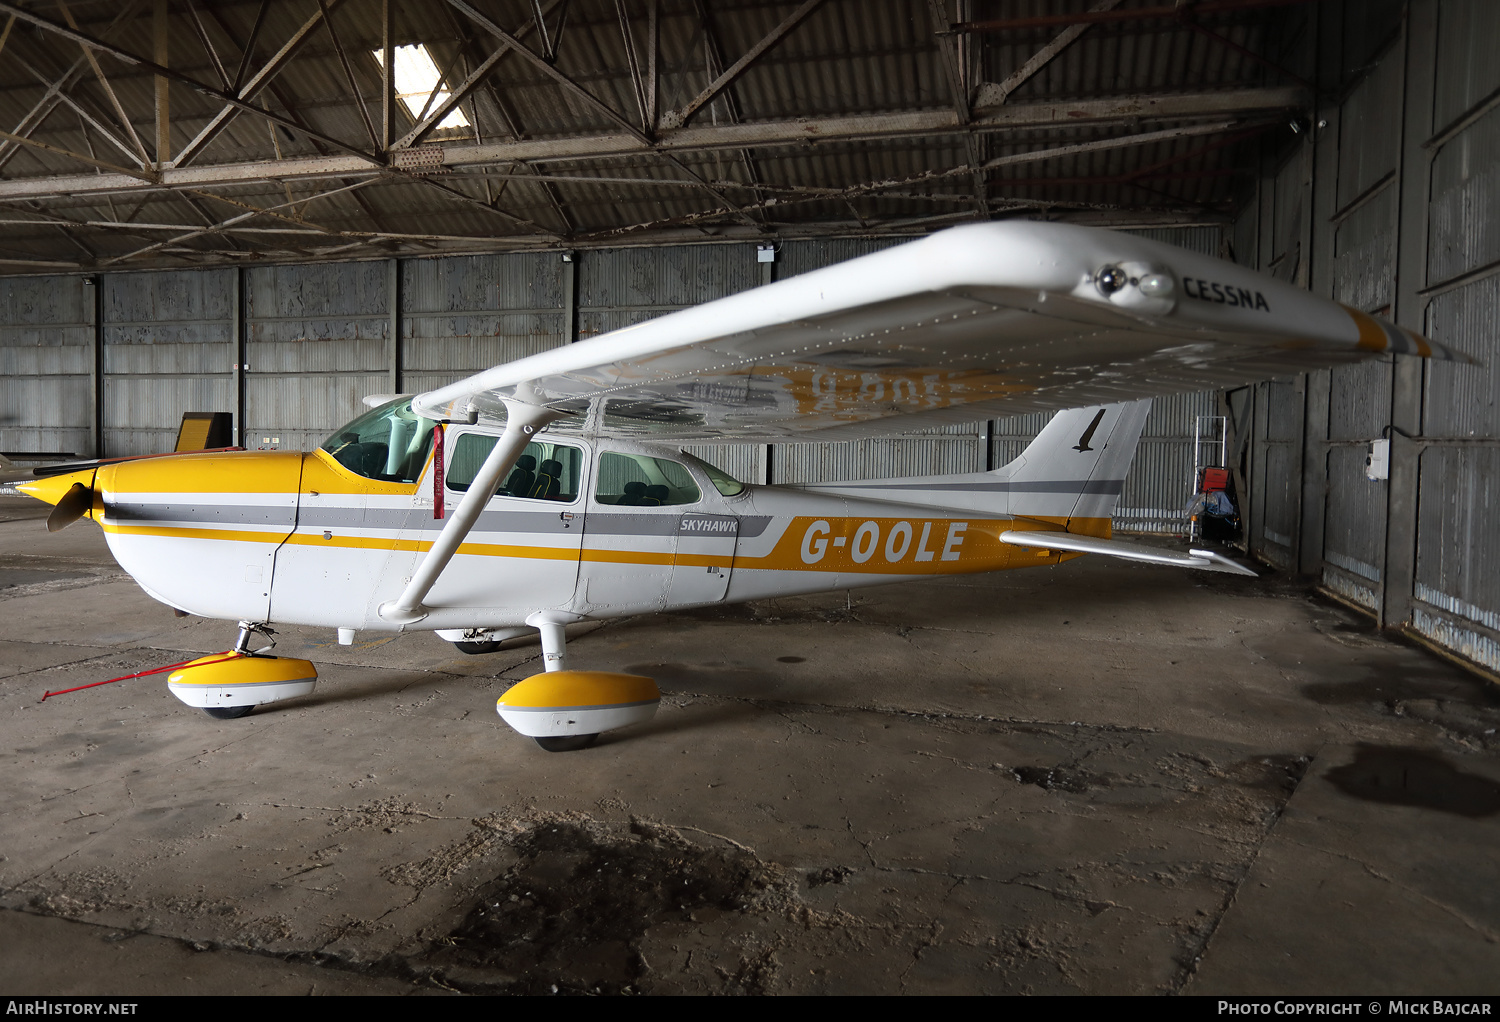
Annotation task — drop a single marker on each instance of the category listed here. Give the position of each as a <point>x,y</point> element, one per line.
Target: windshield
<point>390,443</point>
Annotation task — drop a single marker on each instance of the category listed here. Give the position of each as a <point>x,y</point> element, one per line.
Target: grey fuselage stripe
<point>599,523</point>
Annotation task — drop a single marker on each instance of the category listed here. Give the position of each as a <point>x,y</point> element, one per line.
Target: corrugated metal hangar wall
<point>1390,205</point>
<point>292,349</point>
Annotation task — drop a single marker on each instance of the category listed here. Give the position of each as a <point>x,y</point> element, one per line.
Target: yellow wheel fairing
<point>578,689</point>
<point>239,680</point>
<point>562,703</point>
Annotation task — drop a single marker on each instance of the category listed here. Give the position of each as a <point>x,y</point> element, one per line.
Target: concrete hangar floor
<point>1093,778</point>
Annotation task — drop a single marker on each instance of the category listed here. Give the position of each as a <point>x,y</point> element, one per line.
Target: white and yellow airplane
<point>553,490</point>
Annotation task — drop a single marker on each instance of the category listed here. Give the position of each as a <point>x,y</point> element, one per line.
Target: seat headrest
<point>527,462</point>
<point>658,491</point>
<point>551,468</point>
<point>635,488</point>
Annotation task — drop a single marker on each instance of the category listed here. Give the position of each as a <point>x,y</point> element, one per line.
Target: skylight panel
<point>416,77</point>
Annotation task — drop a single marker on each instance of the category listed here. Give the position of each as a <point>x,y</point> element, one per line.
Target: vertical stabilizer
<point>1075,468</point>
<point>1071,473</point>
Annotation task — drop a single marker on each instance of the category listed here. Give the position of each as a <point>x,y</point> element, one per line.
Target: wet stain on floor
<point>1066,778</point>
<point>1383,686</point>
<point>569,915</point>
<point>1413,777</point>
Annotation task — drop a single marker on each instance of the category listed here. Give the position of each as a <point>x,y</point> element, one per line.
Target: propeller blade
<point>73,506</point>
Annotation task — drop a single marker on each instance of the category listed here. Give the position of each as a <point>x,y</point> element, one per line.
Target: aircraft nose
<point>71,494</point>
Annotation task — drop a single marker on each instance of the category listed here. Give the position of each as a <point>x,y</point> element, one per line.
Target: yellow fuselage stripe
<point>785,556</point>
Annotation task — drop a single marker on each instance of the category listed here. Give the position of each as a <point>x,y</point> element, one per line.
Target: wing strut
<point>522,422</point>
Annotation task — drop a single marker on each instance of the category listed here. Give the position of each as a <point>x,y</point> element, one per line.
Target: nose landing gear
<point>230,685</point>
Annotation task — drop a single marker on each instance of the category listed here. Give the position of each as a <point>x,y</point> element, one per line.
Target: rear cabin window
<point>542,472</point>
<point>635,480</point>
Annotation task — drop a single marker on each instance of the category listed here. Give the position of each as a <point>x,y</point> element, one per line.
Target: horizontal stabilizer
<point>1207,560</point>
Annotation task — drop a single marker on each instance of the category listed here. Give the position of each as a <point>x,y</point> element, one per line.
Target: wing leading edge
<point>977,321</point>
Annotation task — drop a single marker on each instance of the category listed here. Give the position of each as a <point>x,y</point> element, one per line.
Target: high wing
<point>975,322</point>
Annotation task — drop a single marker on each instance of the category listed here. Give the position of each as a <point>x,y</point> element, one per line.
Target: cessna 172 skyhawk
<point>553,490</point>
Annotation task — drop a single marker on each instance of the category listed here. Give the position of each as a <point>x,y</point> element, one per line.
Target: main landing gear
<point>478,641</point>
<point>563,710</point>
<point>476,648</point>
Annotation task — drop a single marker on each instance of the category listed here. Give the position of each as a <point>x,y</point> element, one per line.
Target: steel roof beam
<point>43,106</point>
<point>455,97</point>
<point>1037,155</point>
<point>231,102</point>
<point>275,90</point>
<point>248,53</point>
<point>1225,41</point>
<point>338,48</point>
<point>677,118</point>
<point>88,116</point>
<point>216,228</point>
<point>648,117</point>
<point>469,46</point>
<point>955,64</point>
<point>103,82</point>
<point>239,101</point>
<point>1132,14</point>
<point>939,123</point>
<point>570,86</point>
<point>999,93</point>
<point>201,31</point>
<point>60,151</point>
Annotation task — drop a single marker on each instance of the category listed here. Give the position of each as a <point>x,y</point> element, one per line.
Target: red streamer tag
<point>437,471</point>
<point>228,654</point>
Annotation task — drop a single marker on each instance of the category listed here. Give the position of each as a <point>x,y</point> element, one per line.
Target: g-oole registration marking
<point>898,542</point>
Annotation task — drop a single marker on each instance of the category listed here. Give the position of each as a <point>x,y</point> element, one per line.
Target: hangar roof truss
<point>193,132</point>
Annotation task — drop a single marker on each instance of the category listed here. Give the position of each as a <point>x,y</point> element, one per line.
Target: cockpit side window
<point>545,471</point>
<point>390,443</point>
<point>636,480</point>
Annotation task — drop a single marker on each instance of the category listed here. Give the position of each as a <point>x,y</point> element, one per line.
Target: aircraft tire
<point>228,712</point>
<point>566,743</point>
<point>476,648</point>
